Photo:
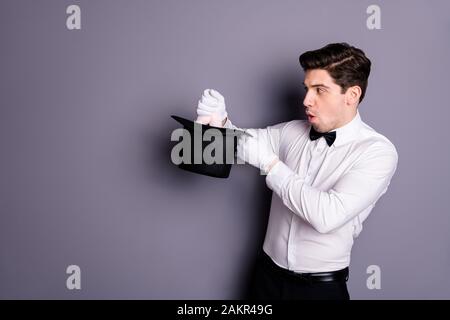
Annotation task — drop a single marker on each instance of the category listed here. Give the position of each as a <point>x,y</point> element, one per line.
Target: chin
<point>316,127</point>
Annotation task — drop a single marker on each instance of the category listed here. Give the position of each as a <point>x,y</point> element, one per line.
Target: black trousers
<point>272,282</point>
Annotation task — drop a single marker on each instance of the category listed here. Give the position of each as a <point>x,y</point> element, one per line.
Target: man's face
<point>324,103</point>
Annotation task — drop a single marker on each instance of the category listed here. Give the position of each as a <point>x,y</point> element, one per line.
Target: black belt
<point>339,275</point>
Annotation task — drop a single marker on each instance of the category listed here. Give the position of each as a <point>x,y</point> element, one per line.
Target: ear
<point>352,95</point>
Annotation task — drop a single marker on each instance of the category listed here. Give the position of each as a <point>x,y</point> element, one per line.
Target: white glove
<point>211,108</point>
<point>256,150</point>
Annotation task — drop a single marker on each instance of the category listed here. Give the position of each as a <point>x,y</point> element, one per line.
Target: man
<point>326,174</point>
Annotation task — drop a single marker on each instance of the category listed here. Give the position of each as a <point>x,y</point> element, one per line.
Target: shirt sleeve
<point>360,187</point>
<point>272,134</point>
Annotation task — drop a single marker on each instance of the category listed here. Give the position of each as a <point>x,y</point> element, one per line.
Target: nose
<point>308,100</point>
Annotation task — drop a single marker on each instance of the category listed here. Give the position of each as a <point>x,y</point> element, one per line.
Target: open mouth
<point>311,117</point>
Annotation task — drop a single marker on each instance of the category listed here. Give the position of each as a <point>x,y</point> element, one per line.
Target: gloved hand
<point>211,108</point>
<point>256,150</point>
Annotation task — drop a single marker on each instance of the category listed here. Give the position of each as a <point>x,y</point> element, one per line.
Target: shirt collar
<point>349,131</point>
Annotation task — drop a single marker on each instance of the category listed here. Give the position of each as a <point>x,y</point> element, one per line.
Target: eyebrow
<point>317,85</point>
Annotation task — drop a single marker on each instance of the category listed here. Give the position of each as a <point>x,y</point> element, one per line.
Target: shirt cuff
<point>278,176</point>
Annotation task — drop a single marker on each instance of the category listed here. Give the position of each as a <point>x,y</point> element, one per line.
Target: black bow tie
<point>329,136</point>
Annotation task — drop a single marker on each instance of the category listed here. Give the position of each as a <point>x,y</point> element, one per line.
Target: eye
<point>320,90</point>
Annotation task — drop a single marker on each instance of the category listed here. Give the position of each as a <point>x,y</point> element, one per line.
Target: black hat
<point>196,139</point>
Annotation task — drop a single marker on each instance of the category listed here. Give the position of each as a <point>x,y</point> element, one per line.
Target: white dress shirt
<point>321,194</point>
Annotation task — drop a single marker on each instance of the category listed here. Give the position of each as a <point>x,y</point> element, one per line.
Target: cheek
<point>330,110</point>
<point>326,107</point>
<point>334,105</point>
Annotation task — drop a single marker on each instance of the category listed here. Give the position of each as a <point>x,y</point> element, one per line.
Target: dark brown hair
<point>347,65</point>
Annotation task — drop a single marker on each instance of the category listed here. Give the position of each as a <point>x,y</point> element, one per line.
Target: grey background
<point>85,171</point>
